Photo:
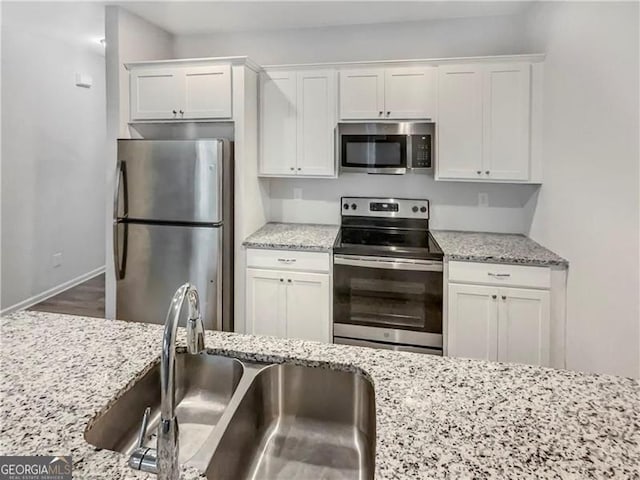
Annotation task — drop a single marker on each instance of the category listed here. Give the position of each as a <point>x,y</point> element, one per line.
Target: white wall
<point>129,38</point>
<point>587,209</point>
<point>426,39</point>
<point>53,148</point>
<point>454,205</point>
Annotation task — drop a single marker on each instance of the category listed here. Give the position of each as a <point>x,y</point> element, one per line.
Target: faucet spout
<point>163,460</point>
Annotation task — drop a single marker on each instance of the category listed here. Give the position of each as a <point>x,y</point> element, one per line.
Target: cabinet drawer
<point>500,274</point>
<point>288,260</point>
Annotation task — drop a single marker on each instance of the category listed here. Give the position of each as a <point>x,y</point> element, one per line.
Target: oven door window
<point>388,298</point>
<point>374,151</point>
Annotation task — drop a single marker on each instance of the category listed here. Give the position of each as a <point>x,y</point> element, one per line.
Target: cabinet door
<point>473,318</point>
<point>265,302</point>
<point>154,93</point>
<point>308,299</point>
<point>410,92</point>
<point>507,113</point>
<point>278,123</point>
<point>361,94</point>
<point>316,121</point>
<point>207,92</point>
<point>523,326</point>
<point>459,122</point>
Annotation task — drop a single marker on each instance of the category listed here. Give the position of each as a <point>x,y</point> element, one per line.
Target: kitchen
<point>325,255</point>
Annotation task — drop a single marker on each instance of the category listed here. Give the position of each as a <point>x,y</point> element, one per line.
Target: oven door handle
<point>389,264</point>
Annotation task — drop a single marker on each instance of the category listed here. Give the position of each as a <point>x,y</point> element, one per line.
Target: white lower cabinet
<point>473,322</point>
<point>499,323</point>
<point>286,302</point>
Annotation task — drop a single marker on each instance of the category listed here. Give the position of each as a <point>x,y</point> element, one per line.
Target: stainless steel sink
<point>243,420</point>
<point>297,422</point>
<point>204,386</point>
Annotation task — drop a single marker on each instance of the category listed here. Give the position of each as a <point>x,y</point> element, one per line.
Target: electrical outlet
<point>57,260</point>
<point>483,199</point>
<point>297,194</point>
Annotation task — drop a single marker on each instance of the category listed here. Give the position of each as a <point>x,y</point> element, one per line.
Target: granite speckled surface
<point>293,236</point>
<point>495,247</point>
<point>437,418</point>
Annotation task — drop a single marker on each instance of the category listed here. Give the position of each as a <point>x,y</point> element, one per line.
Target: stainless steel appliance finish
<point>386,148</point>
<point>387,272</point>
<point>244,420</point>
<point>386,346</point>
<point>173,223</point>
<point>296,422</point>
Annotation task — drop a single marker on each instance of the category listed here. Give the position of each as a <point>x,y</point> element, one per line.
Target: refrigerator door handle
<point>121,179</point>
<point>121,174</point>
<point>120,265</point>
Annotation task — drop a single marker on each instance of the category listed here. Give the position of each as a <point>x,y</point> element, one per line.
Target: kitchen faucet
<point>163,460</point>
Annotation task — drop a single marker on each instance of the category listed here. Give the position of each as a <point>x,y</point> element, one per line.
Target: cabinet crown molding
<point>237,60</point>
<point>529,57</point>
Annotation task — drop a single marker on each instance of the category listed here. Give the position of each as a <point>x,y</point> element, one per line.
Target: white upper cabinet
<point>484,122</point>
<point>278,128</point>
<point>180,92</point>
<point>506,121</point>
<point>297,123</point>
<point>391,93</point>
<point>207,92</point>
<point>154,94</point>
<point>361,94</point>
<point>316,122</point>
<point>410,93</point>
<point>459,124</point>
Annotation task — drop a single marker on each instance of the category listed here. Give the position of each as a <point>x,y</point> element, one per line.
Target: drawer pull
<point>499,275</point>
<point>287,260</point>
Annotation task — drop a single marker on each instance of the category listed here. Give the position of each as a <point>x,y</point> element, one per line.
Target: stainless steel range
<point>387,274</point>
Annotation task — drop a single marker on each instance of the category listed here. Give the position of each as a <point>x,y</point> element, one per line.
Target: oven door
<point>397,301</point>
<point>373,153</point>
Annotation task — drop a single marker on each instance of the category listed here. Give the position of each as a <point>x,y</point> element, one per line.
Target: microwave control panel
<point>421,151</point>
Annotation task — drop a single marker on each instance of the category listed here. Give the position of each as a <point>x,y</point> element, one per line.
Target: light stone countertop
<point>293,236</point>
<point>496,248</point>
<point>437,418</point>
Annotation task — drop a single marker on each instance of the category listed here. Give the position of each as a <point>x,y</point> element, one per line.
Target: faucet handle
<point>142,434</point>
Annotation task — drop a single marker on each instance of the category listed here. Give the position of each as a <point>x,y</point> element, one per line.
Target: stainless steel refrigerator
<point>173,223</point>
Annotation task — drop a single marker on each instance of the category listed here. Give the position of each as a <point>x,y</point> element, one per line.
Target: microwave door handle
<point>417,265</point>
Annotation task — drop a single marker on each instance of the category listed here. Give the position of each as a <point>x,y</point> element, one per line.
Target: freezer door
<point>171,180</point>
<point>154,260</point>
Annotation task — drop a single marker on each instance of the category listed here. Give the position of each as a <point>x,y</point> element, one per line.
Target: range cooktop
<point>386,227</point>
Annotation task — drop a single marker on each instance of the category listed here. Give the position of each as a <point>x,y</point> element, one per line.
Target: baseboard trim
<point>52,292</point>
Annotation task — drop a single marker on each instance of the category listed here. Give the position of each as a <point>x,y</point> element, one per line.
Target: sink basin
<point>204,386</point>
<point>299,422</point>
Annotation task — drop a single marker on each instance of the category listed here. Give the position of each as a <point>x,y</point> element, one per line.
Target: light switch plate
<point>297,194</point>
<point>83,80</point>
<point>483,199</point>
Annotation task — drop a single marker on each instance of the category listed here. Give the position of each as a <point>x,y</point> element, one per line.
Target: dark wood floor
<point>86,299</point>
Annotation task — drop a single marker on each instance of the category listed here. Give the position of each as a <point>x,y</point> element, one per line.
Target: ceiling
<point>189,17</point>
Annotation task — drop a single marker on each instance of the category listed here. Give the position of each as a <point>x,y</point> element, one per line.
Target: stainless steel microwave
<point>386,148</point>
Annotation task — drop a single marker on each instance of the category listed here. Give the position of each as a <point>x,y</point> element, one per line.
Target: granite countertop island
<point>496,248</point>
<point>437,418</point>
<point>294,236</point>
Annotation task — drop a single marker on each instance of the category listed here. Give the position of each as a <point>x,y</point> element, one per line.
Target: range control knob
<point>423,209</point>
<point>414,209</point>
<point>354,206</point>
<point>346,206</point>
